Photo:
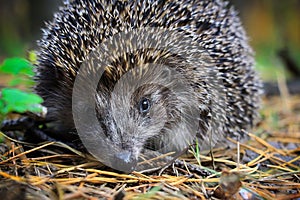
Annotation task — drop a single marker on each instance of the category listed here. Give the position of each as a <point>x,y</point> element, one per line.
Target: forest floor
<point>265,167</point>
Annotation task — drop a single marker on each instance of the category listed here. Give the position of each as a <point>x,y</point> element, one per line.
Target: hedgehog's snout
<point>126,161</point>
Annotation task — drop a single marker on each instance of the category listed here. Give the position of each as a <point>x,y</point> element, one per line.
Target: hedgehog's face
<point>132,124</point>
<point>135,117</point>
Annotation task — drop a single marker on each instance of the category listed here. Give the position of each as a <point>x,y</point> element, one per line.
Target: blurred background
<point>273,27</point>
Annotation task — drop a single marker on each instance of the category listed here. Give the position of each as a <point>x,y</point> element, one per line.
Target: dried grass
<point>269,168</point>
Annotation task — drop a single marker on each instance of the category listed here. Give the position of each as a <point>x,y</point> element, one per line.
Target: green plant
<point>13,99</point>
<point>150,194</point>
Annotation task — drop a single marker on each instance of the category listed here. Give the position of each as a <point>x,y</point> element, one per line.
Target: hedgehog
<point>123,77</point>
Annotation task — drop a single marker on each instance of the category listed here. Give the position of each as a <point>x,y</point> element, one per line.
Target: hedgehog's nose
<point>125,161</point>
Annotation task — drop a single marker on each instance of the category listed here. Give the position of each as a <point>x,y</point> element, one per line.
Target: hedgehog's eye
<point>144,105</point>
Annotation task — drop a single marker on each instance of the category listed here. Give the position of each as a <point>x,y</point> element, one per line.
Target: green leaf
<point>19,80</point>
<point>32,57</point>
<point>18,101</point>
<point>16,66</point>
<point>1,109</point>
<point>155,189</point>
<point>149,194</point>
